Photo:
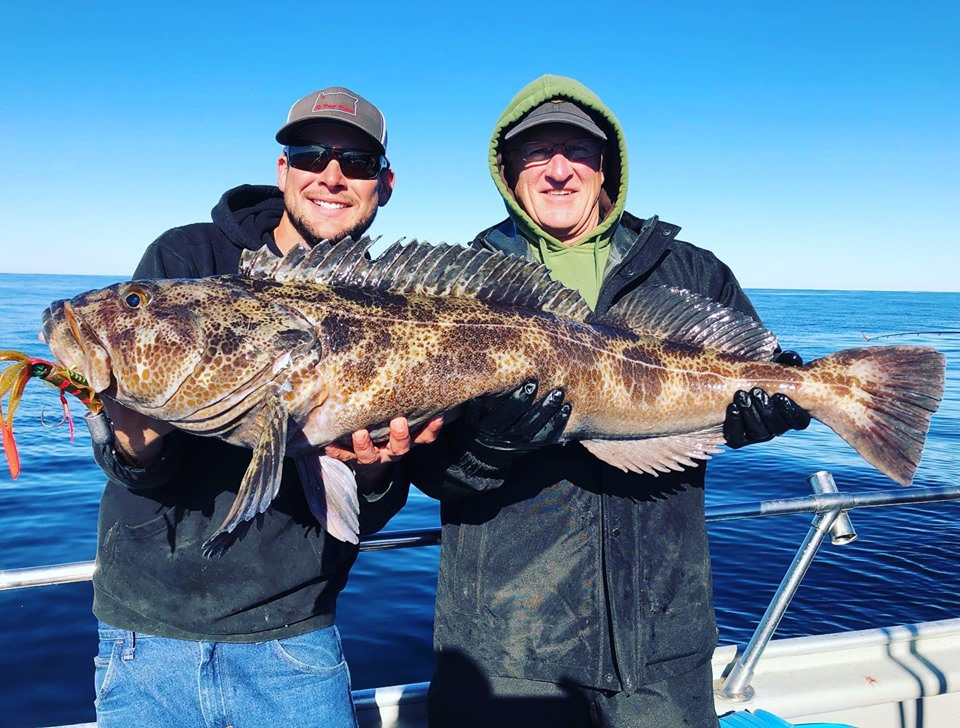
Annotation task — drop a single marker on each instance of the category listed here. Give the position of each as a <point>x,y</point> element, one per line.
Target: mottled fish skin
<point>391,356</point>
<point>324,337</point>
<point>417,356</point>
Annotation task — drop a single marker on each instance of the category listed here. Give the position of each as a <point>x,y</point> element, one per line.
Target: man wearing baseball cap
<point>570,592</point>
<point>247,638</point>
<point>327,201</point>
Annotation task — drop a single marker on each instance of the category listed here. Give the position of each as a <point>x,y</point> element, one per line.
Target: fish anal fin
<point>657,455</point>
<point>260,482</point>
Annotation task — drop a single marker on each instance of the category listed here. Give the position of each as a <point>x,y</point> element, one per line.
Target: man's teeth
<point>329,205</point>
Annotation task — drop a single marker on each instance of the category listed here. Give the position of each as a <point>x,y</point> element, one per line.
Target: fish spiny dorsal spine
<point>421,269</point>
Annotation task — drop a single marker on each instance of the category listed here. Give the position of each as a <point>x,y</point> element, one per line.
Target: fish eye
<point>135,298</point>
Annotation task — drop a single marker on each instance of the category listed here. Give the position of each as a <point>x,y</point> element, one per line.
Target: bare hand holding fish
<point>372,459</point>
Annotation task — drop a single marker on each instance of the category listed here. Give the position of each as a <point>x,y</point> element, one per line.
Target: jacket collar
<point>637,243</point>
<point>637,246</point>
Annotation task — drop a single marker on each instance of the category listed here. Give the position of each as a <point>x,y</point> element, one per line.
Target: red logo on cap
<point>337,101</point>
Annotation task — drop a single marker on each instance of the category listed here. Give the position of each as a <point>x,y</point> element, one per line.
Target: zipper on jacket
<point>610,681</point>
<point>614,282</point>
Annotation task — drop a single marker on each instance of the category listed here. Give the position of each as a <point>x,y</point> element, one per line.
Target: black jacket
<point>574,570</point>
<point>283,577</point>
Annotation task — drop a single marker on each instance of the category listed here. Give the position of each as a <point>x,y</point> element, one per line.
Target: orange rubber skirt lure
<point>14,379</point>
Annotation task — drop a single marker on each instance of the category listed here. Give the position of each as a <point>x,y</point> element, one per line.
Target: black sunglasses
<point>354,163</point>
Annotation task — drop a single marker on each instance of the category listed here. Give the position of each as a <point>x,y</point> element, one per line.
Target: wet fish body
<point>292,354</point>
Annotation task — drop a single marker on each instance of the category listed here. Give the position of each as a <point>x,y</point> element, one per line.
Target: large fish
<point>292,354</point>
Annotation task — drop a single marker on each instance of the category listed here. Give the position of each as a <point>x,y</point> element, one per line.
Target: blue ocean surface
<point>903,568</point>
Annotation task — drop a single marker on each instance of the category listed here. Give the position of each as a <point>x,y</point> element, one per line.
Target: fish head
<point>137,341</point>
<point>178,347</point>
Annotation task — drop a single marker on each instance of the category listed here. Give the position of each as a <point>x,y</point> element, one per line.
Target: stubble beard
<point>312,239</point>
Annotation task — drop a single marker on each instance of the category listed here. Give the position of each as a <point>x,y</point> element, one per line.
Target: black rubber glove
<point>496,429</point>
<point>133,477</point>
<point>757,417</point>
<point>789,358</point>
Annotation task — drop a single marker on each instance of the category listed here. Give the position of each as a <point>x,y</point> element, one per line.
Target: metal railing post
<point>737,687</point>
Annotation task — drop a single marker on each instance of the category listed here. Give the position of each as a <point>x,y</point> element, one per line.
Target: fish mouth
<point>58,336</point>
<point>76,346</point>
<point>71,320</point>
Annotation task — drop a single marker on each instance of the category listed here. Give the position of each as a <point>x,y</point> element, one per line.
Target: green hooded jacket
<point>580,266</point>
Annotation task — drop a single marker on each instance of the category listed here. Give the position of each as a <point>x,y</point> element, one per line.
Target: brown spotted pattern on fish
<point>292,354</point>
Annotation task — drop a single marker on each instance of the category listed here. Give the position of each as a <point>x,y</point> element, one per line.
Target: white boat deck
<point>896,677</point>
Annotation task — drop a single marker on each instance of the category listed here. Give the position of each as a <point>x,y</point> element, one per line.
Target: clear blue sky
<point>809,145</point>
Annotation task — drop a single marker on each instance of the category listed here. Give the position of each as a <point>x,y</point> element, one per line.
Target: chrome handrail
<point>820,503</point>
<point>826,502</point>
<point>83,570</point>
<point>737,688</point>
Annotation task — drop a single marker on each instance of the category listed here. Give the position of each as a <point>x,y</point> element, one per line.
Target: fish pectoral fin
<point>260,482</point>
<point>331,491</point>
<point>657,455</point>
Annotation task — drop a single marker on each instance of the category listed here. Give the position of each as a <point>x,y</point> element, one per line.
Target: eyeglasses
<point>575,150</point>
<point>354,163</point>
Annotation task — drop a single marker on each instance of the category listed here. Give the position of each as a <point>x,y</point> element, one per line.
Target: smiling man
<point>324,201</point>
<point>556,173</point>
<point>248,638</point>
<point>564,180</point>
<point>572,594</point>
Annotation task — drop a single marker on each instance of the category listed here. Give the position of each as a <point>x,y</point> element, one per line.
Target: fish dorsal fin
<point>259,263</point>
<point>422,269</point>
<point>682,316</point>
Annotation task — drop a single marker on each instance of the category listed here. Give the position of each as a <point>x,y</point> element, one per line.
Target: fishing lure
<point>14,379</point>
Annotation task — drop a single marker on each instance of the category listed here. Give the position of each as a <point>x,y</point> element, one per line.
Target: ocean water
<point>902,568</point>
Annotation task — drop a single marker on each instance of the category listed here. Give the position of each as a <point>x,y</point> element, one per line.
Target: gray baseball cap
<point>336,104</point>
<point>557,111</point>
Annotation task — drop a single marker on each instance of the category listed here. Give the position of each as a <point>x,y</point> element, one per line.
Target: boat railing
<point>829,507</point>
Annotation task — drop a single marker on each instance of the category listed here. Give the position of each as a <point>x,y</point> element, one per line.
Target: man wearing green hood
<point>571,593</point>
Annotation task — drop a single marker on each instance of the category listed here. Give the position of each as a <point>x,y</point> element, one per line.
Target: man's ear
<point>282,169</point>
<point>385,187</point>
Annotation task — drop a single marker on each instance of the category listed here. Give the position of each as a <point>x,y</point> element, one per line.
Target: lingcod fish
<point>291,354</point>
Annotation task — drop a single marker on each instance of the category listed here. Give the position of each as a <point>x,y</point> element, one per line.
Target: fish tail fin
<point>880,400</point>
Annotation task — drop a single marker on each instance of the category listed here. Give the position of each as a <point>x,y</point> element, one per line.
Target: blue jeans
<point>149,681</point>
